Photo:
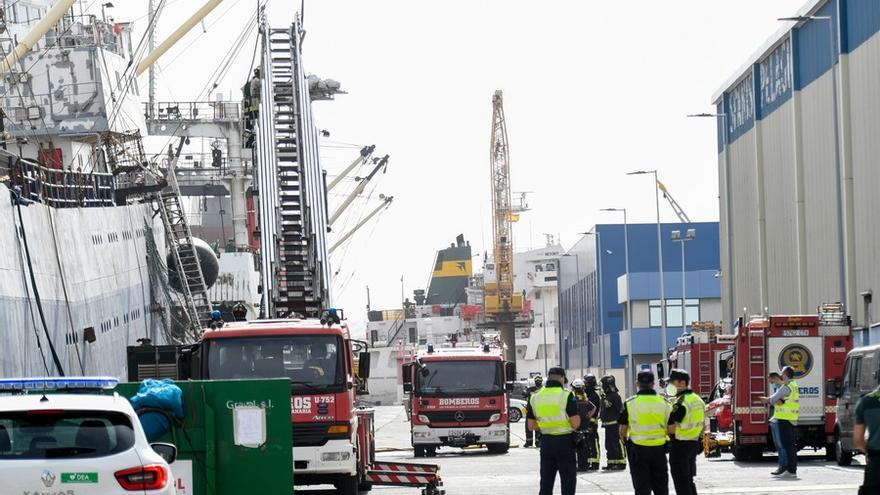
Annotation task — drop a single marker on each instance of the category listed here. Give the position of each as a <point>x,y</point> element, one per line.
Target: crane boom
<point>502,305</point>
<point>672,202</point>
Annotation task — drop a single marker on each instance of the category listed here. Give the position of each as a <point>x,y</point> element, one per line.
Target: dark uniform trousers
<point>648,469</point>
<point>532,437</point>
<point>871,485</point>
<point>683,465</point>
<point>591,441</point>
<point>613,447</point>
<point>558,455</point>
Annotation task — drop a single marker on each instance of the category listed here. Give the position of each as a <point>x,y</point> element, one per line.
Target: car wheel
<point>348,485</point>
<point>515,414</point>
<point>843,457</point>
<point>418,451</point>
<point>431,451</point>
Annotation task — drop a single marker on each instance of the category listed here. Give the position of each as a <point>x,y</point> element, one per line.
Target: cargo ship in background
<point>102,232</point>
<point>449,313</point>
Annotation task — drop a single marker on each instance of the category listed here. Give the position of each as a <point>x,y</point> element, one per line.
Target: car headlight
<point>421,434</point>
<point>424,419</point>
<point>335,456</point>
<point>495,417</point>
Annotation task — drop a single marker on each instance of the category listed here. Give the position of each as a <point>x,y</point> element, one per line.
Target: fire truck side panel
<point>807,356</point>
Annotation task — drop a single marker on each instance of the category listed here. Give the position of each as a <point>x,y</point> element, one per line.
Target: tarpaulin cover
<point>158,394</point>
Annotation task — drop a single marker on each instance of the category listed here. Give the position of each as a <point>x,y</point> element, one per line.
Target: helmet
<point>590,380</point>
<point>539,379</point>
<point>608,383</point>
<point>577,383</point>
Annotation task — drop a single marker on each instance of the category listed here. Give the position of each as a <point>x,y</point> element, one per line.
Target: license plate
<point>457,433</point>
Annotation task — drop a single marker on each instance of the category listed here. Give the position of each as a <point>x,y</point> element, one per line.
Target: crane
<point>675,206</point>
<point>502,304</point>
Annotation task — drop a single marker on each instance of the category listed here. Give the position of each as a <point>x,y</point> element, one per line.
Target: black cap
<point>679,374</point>
<point>645,377</point>
<point>556,370</point>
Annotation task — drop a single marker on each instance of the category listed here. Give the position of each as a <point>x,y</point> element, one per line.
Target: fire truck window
<point>467,377</point>
<point>313,360</point>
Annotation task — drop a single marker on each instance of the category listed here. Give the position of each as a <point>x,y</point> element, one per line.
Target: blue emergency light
<point>44,384</point>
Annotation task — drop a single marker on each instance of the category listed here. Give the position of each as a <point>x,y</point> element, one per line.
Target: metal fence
<point>57,187</point>
<point>193,110</point>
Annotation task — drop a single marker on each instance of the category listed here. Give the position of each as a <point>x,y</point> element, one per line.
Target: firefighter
<point>553,411</point>
<point>786,409</point>
<point>533,437</point>
<point>648,413</point>
<point>609,413</point>
<point>592,434</point>
<point>686,425</point>
<point>586,410</point>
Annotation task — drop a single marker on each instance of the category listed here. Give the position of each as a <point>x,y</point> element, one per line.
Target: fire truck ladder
<point>180,243</point>
<point>706,363</point>
<point>757,376</point>
<point>295,274</point>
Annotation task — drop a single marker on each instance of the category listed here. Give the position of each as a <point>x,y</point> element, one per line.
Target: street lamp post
<point>631,360</point>
<point>104,6</point>
<point>838,177</point>
<point>676,237</point>
<point>660,262</point>
<point>728,270</point>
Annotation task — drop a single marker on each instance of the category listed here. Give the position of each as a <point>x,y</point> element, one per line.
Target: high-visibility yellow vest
<point>694,418</point>
<point>789,409</point>
<point>548,404</point>
<point>648,415</point>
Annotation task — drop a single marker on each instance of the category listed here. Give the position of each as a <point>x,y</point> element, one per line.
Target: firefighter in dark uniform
<point>609,413</point>
<point>591,438</point>
<point>686,425</point>
<point>553,411</point>
<point>586,410</point>
<point>533,437</point>
<point>644,424</point>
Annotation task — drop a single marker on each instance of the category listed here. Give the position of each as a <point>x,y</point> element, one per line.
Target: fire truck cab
<point>815,346</point>
<point>332,441</point>
<point>458,397</point>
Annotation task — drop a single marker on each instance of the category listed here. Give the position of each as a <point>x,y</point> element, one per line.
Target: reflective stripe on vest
<point>548,404</point>
<point>789,409</point>
<point>648,415</point>
<point>694,418</point>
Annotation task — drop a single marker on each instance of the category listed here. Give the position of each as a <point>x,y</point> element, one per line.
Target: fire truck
<point>458,397</point>
<point>815,346</point>
<point>333,439</point>
<point>705,358</point>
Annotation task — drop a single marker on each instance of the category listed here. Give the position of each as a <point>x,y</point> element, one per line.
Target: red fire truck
<point>333,440</point>
<point>458,397</point>
<point>704,357</point>
<point>815,346</point>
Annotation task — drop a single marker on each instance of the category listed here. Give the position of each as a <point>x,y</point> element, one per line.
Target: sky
<point>592,90</point>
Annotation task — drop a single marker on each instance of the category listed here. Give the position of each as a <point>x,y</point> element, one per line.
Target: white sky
<point>592,90</point>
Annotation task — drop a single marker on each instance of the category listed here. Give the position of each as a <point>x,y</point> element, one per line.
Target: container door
<point>806,356</point>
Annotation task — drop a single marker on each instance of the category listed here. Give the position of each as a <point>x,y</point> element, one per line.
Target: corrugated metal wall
<point>777,132</point>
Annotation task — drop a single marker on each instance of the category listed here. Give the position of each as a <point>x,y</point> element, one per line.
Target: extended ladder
<point>188,268</point>
<point>295,269</point>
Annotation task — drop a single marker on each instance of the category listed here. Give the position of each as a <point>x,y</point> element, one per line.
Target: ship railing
<point>59,188</point>
<point>208,111</point>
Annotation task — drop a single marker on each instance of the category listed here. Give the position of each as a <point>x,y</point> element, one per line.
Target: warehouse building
<point>594,296</point>
<point>798,171</point>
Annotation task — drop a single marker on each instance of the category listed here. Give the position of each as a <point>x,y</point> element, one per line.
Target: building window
<point>673,312</point>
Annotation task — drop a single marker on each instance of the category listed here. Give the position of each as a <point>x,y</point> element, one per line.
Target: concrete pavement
<point>475,472</point>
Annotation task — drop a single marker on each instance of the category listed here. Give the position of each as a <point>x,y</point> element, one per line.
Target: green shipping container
<point>235,438</point>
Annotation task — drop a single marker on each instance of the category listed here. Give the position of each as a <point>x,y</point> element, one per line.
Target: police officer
<point>533,436</point>
<point>553,411</point>
<point>643,423</point>
<point>609,413</point>
<point>586,410</point>
<point>591,437</point>
<point>786,409</point>
<point>686,424</point>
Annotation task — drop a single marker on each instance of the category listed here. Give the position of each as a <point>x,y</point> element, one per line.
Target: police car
<point>62,436</point>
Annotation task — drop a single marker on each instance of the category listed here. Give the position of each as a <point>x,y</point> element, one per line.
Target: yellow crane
<point>502,305</point>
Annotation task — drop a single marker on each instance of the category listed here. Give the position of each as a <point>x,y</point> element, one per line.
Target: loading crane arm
<point>380,165</point>
<point>365,154</point>
<point>386,202</point>
<point>682,216</point>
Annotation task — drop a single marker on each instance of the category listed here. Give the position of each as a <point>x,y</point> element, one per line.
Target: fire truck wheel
<point>347,485</point>
<point>418,451</point>
<point>498,448</point>
<point>431,451</point>
<point>746,454</point>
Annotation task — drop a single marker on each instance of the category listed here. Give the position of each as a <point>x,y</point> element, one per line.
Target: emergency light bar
<point>41,384</point>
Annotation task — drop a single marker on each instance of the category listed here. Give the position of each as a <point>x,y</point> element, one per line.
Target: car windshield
<point>42,434</point>
<point>460,378</point>
<point>310,361</point>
